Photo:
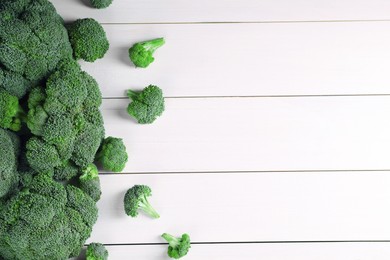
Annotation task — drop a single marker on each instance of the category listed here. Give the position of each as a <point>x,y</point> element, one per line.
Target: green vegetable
<point>11,113</point>
<point>88,39</point>
<point>147,105</point>
<point>100,4</point>
<point>90,182</point>
<point>136,199</point>
<point>178,246</point>
<point>112,154</point>
<point>96,251</point>
<point>9,151</point>
<point>141,53</point>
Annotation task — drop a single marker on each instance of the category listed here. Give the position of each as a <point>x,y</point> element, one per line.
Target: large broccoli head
<point>33,40</point>
<point>66,121</point>
<point>9,152</point>
<point>112,154</point>
<point>46,220</point>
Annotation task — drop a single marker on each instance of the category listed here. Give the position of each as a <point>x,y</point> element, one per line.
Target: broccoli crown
<point>88,39</point>
<point>66,122</point>
<point>178,246</point>
<point>96,251</point>
<point>112,154</point>
<point>141,53</point>
<point>146,105</point>
<point>89,182</point>
<point>136,199</point>
<point>11,114</point>
<point>9,151</point>
<point>33,40</point>
<point>46,220</point>
<point>100,4</point>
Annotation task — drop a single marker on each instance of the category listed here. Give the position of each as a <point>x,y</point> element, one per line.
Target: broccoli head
<point>141,53</point>
<point>112,154</point>
<point>9,151</point>
<point>33,40</point>
<point>90,182</point>
<point>136,198</point>
<point>178,246</point>
<point>11,113</point>
<point>96,251</point>
<point>88,39</point>
<point>100,4</point>
<point>46,220</point>
<point>146,105</point>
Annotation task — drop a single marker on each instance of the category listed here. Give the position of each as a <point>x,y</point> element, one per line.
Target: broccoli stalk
<point>141,53</point>
<point>136,199</point>
<point>147,104</point>
<point>178,246</point>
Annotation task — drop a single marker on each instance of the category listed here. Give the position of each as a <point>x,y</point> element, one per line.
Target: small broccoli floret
<point>90,182</point>
<point>146,105</point>
<point>112,154</point>
<point>9,151</point>
<point>88,39</point>
<point>141,53</point>
<point>11,113</point>
<point>178,246</point>
<point>100,4</point>
<point>96,251</point>
<point>136,198</point>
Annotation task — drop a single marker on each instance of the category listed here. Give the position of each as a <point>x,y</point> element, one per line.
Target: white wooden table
<point>275,143</point>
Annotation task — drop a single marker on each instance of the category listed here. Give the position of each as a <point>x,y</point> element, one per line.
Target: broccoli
<point>141,53</point>
<point>9,151</point>
<point>96,251</point>
<point>136,199</point>
<point>100,4</point>
<point>90,183</point>
<point>33,40</point>
<point>88,39</point>
<point>46,220</point>
<point>146,105</point>
<point>178,246</point>
<point>112,154</point>
<point>11,113</point>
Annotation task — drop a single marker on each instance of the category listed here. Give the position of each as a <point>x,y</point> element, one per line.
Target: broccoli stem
<point>153,45</point>
<point>172,240</point>
<point>145,206</point>
<point>133,95</point>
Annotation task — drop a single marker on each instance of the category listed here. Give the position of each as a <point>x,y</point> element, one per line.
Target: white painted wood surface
<point>317,251</point>
<point>257,134</point>
<point>178,11</point>
<point>251,59</point>
<point>242,207</point>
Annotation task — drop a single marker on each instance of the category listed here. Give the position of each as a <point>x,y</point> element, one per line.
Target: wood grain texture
<point>251,59</point>
<point>156,11</point>
<point>249,207</point>
<point>257,134</point>
<point>323,251</point>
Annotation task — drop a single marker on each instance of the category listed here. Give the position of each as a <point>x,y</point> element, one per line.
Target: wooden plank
<point>155,11</point>
<point>322,251</point>
<point>251,59</point>
<point>241,207</point>
<point>257,134</point>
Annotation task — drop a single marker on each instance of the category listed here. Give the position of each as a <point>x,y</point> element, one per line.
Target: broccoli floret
<point>96,251</point>
<point>141,53</point>
<point>11,113</point>
<point>178,246</point>
<point>88,39</point>
<point>9,151</point>
<point>100,4</point>
<point>112,154</point>
<point>146,105</point>
<point>136,198</point>
<point>90,183</point>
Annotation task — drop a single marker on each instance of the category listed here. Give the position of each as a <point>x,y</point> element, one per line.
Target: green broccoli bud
<point>90,183</point>
<point>96,251</point>
<point>146,105</point>
<point>178,246</point>
<point>100,4</point>
<point>11,113</point>
<point>141,53</point>
<point>88,39</point>
<point>136,198</point>
<point>112,154</point>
